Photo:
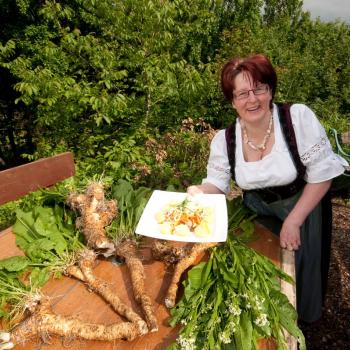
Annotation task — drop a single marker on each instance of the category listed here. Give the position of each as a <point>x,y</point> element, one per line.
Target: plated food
<point>185,217</point>
<point>176,216</point>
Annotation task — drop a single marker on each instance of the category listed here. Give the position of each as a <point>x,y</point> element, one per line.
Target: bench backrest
<point>21,180</point>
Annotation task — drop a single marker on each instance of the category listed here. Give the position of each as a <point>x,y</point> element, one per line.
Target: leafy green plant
<point>131,203</point>
<point>12,290</point>
<point>234,299</point>
<point>49,240</point>
<point>45,234</point>
<point>179,157</point>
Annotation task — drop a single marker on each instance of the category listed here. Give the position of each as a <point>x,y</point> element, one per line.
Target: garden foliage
<point>106,78</point>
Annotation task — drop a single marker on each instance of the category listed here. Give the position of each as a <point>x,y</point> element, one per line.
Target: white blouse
<point>277,167</point>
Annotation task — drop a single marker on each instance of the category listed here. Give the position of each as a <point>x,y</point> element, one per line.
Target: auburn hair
<point>257,66</point>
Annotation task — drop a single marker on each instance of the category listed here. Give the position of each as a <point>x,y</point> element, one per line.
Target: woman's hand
<point>290,235</point>
<point>193,190</point>
<point>207,188</point>
<point>311,196</point>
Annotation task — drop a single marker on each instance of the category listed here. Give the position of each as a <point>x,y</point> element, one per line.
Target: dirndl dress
<point>312,257</point>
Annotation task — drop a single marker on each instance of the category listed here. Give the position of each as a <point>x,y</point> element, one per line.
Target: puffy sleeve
<point>218,168</point>
<point>314,148</point>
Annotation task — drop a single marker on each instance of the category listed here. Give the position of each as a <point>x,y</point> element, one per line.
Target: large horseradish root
<point>163,251</point>
<point>96,214</point>
<point>127,250</point>
<point>44,321</point>
<point>85,273</point>
<point>180,268</point>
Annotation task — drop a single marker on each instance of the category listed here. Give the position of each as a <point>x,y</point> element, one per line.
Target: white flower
<point>234,310</point>
<point>224,338</point>
<point>261,320</point>
<point>186,343</point>
<point>232,326</point>
<point>259,302</point>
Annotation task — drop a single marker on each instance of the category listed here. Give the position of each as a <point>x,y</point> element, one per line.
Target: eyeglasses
<point>260,90</point>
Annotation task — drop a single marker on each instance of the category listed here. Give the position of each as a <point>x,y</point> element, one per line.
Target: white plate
<point>148,225</point>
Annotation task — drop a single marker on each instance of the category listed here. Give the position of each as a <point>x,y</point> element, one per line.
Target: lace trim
<point>218,168</point>
<point>313,150</point>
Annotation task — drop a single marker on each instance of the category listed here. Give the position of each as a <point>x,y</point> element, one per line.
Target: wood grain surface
<point>71,297</point>
<point>18,181</point>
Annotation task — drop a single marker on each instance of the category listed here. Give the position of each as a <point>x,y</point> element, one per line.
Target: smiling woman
<point>280,156</point>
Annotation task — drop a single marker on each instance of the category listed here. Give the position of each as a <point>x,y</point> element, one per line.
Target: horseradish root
<point>5,342</point>
<point>180,267</point>
<point>127,250</point>
<point>85,273</point>
<point>45,322</point>
<point>163,251</point>
<point>96,214</point>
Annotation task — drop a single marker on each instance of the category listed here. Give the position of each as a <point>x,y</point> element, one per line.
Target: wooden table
<point>71,297</point>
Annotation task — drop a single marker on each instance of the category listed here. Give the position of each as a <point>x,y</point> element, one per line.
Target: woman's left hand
<point>290,235</point>
<point>290,232</point>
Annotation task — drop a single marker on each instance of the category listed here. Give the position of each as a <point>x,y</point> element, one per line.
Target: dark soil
<point>332,331</point>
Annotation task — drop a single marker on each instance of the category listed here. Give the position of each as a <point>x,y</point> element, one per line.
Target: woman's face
<point>251,106</point>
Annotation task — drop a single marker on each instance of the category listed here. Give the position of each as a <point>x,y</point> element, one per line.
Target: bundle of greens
<point>47,235</point>
<point>49,241</point>
<point>234,299</point>
<point>12,289</point>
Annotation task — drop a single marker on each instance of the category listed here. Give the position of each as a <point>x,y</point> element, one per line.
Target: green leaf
<point>22,243</point>
<point>248,228</point>
<point>23,226</point>
<point>195,275</point>
<point>59,243</point>
<point>230,277</point>
<point>206,271</point>
<point>211,341</point>
<point>39,276</point>
<point>121,189</point>
<point>41,227</point>
<point>243,335</point>
<point>288,317</point>
<point>172,346</point>
<point>39,250</point>
<point>15,263</point>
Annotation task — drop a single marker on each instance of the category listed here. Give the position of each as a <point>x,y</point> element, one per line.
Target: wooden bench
<point>69,296</point>
<point>19,181</point>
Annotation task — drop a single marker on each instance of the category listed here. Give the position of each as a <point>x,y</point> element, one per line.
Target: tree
<point>100,77</point>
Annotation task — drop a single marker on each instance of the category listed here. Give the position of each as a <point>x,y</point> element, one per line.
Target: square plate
<point>148,226</point>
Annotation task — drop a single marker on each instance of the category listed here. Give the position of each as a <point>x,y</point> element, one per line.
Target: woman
<point>283,161</point>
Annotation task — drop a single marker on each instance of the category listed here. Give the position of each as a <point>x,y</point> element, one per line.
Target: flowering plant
<point>233,300</point>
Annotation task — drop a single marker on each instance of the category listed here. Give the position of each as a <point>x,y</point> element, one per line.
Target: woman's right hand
<point>206,188</point>
<point>194,190</point>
